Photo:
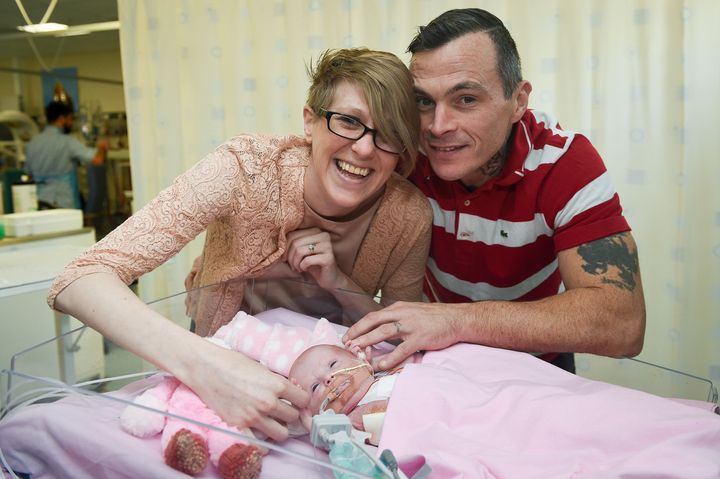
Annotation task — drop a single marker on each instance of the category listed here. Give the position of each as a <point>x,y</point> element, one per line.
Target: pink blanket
<point>479,412</point>
<point>79,437</point>
<point>471,411</point>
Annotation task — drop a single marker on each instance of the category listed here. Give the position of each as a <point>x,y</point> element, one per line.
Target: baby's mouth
<point>340,388</point>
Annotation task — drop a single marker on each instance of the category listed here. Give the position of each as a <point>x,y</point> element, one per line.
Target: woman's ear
<point>308,122</point>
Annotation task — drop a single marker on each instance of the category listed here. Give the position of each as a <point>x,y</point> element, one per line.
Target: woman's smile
<point>352,170</point>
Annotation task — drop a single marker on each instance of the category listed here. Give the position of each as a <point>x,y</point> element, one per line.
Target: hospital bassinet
<point>91,374</point>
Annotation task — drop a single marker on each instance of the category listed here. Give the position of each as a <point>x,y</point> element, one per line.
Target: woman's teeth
<point>355,170</point>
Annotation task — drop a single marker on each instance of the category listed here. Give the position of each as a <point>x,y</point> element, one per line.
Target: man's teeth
<point>445,148</point>
<point>353,169</point>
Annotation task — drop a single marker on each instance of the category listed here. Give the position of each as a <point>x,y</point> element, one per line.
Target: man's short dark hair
<point>56,109</point>
<point>456,23</point>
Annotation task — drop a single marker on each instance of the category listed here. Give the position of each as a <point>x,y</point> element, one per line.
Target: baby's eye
<point>332,364</point>
<point>314,387</point>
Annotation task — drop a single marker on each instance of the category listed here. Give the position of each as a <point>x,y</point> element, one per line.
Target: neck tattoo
<point>494,166</point>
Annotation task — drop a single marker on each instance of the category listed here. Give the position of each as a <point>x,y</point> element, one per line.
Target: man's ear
<point>308,121</point>
<point>522,98</point>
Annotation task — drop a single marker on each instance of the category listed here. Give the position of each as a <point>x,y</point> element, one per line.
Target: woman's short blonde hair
<point>388,88</point>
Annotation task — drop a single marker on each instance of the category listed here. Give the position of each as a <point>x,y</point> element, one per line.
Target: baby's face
<point>314,371</point>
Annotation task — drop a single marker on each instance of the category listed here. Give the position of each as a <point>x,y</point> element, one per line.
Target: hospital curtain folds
<point>638,77</point>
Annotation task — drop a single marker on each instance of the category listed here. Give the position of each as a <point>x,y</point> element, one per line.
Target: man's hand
<point>420,326</point>
<point>101,148</point>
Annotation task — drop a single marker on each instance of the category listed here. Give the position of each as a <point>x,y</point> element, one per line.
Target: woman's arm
<point>92,288</point>
<point>240,390</point>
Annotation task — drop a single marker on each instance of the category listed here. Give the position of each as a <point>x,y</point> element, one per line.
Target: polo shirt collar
<point>518,149</point>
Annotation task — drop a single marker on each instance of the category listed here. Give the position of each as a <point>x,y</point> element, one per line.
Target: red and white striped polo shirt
<point>501,240</point>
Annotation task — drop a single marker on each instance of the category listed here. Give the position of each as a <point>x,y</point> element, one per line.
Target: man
<point>529,243</point>
<point>53,155</point>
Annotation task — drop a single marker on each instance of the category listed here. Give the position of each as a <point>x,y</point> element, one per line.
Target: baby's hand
<point>365,355</point>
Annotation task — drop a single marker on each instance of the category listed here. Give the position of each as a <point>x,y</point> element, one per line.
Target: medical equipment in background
<point>16,128</point>
<point>24,195</point>
<point>334,433</point>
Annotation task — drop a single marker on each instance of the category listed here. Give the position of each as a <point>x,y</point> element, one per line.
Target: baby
<point>344,381</point>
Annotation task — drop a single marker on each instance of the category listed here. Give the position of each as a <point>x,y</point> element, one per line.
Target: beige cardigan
<point>248,194</point>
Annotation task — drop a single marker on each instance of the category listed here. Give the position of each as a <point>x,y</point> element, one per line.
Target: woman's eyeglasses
<point>351,128</point>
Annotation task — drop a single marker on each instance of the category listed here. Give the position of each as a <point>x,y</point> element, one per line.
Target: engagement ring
<point>311,247</point>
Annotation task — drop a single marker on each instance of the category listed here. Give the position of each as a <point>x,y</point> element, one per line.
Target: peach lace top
<point>248,194</point>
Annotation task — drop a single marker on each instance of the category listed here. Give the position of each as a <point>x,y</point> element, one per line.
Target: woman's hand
<point>246,394</point>
<point>240,390</point>
<point>310,250</point>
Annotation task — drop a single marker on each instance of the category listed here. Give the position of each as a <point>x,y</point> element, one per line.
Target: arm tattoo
<point>611,251</point>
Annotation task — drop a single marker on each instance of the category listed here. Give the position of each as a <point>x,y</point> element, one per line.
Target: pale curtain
<point>640,78</point>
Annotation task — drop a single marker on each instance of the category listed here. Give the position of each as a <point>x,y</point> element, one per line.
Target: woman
<point>266,202</point>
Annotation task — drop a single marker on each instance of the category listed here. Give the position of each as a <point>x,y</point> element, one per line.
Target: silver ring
<point>311,247</point>
<point>397,326</point>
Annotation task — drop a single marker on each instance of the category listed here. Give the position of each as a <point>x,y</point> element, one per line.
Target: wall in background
<point>634,76</point>
<point>105,66</point>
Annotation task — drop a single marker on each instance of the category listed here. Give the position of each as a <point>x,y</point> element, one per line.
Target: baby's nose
<point>328,379</point>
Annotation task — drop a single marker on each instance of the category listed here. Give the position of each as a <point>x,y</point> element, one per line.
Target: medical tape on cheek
<point>352,368</point>
<point>333,392</point>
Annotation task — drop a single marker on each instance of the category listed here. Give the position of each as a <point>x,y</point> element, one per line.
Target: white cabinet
<point>27,267</point>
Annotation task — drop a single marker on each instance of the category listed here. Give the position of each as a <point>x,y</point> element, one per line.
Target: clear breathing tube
<point>333,394</point>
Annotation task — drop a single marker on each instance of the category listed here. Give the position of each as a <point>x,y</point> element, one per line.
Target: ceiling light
<point>73,32</point>
<point>43,27</point>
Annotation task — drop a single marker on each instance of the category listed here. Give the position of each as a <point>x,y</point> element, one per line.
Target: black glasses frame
<point>329,114</point>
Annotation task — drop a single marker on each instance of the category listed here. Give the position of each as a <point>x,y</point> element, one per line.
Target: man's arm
<point>101,148</point>
<point>602,311</point>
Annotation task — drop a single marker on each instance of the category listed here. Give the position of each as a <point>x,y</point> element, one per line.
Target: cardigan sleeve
<point>210,189</point>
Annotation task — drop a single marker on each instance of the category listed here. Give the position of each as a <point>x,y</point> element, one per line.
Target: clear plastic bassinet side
<point>63,382</point>
<point>90,382</point>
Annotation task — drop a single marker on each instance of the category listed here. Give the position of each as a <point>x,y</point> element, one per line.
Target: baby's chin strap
<point>327,399</point>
